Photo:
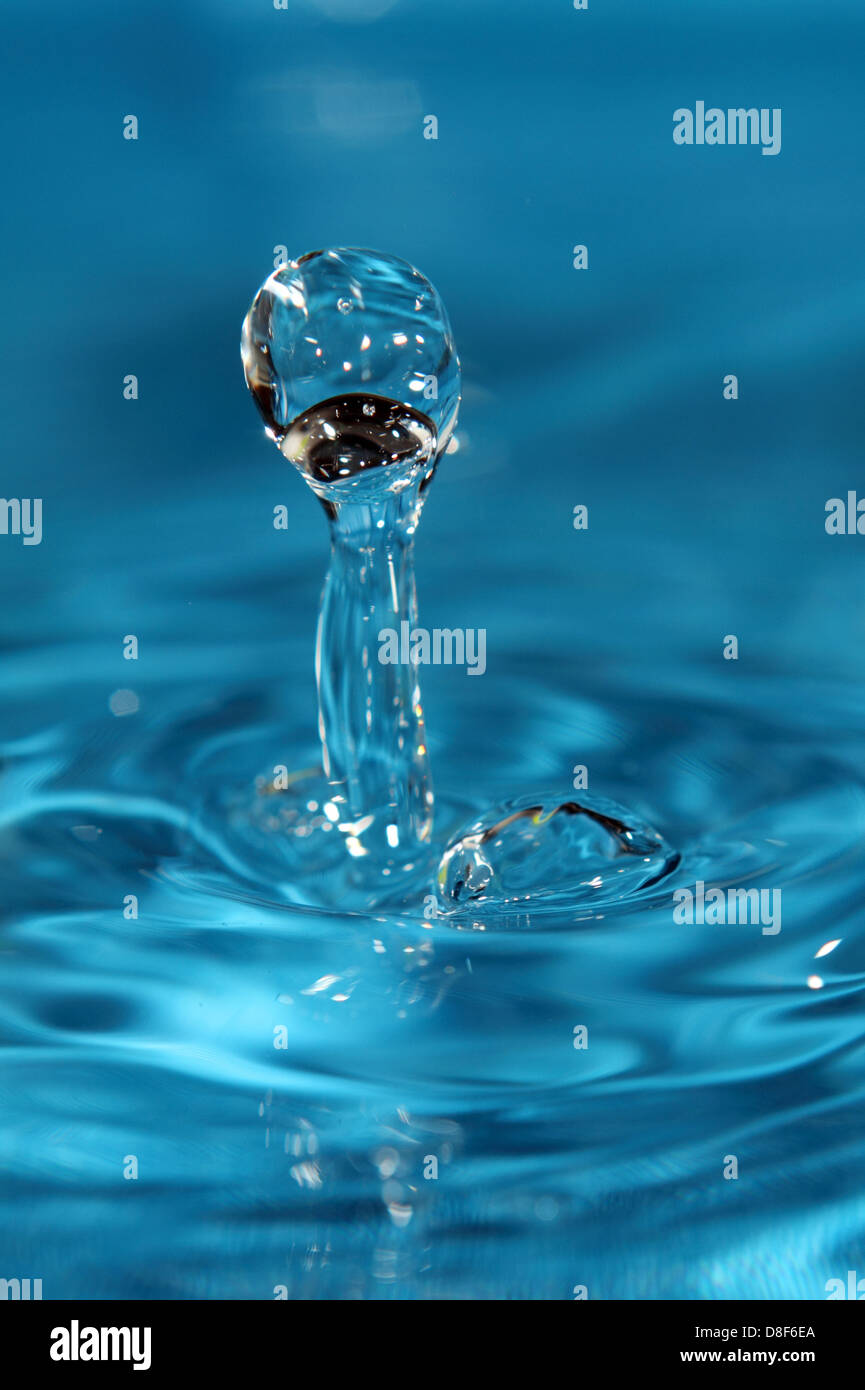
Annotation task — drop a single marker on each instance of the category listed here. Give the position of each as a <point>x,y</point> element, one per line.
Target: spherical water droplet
<point>342,324</point>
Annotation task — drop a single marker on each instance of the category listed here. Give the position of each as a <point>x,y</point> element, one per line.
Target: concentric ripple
<point>372,1103</point>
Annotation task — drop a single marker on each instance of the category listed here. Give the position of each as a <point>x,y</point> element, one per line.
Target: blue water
<point>408,1037</point>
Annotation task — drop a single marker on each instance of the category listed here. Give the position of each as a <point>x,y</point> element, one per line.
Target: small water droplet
<point>123,702</point>
<point>344,306</point>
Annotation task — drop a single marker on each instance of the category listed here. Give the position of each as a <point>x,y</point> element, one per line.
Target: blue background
<point>304,128</point>
<point>260,128</point>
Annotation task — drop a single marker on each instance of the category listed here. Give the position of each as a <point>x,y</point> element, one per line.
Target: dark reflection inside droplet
<point>347,435</point>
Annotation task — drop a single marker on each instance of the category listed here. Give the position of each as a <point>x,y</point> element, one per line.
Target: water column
<point>350,358</point>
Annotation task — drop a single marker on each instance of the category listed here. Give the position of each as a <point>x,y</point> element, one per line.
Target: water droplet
<point>298,353</point>
<point>123,702</point>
